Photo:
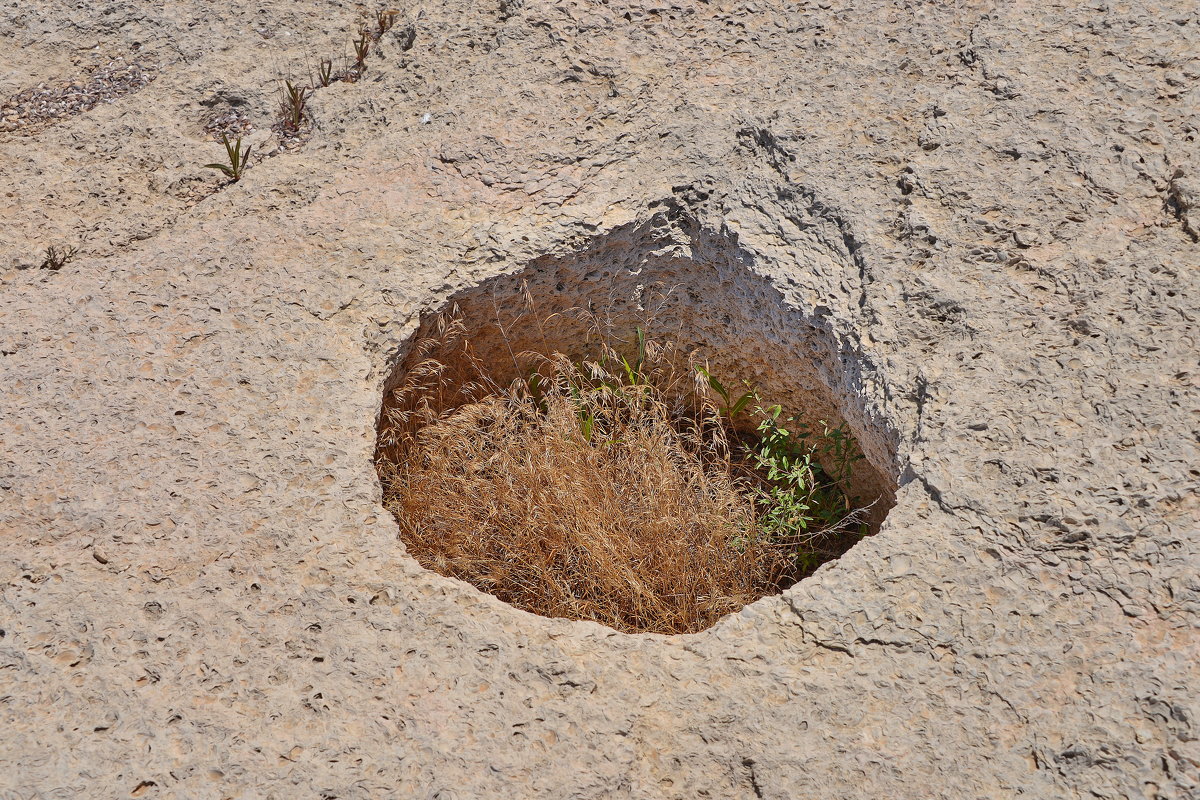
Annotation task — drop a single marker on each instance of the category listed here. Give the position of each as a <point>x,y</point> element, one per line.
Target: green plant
<point>633,372</point>
<point>58,257</point>
<point>730,406</point>
<point>806,475</point>
<point>791,480</point>
<point>293,107</point>
<point>238,158</point>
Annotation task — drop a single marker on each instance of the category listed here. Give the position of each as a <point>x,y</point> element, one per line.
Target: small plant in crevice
<point>803,492</point>
<point>614,488</point>
<point>238,159</point>
<point>58,257</point>
<point>293,108</point>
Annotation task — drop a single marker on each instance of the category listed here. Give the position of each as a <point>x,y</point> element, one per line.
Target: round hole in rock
<point>627,526</point>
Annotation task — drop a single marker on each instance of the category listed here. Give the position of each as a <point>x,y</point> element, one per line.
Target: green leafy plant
<point>58,257</point>
<point>731,406</point>
<point>806,476</point>
<point>791,481</point>
<point>633,372</point>
<point>293,107</point>
<point>238,158</point>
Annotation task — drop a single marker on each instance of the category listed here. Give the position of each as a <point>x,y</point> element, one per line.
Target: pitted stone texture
<point>213,603</point>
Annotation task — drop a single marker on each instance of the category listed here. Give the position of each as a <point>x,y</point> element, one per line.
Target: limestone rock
<point>972,224</point>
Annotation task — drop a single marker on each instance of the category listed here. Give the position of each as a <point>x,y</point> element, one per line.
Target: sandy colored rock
<point>973,225</point>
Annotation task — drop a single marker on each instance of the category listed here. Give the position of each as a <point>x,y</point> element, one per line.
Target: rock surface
<point>992,209</point>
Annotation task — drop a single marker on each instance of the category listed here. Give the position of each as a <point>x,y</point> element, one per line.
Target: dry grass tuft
<point>609,490</point>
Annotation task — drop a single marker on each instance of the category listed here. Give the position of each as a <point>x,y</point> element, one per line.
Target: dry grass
<point>603,491</point>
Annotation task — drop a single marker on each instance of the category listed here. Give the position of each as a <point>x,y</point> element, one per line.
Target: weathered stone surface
<point>990,209</point>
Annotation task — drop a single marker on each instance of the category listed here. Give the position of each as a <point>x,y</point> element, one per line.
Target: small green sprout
<point>238,158</point>
<point>732,406</point>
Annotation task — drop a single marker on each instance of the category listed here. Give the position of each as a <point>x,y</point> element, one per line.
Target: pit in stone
<point>642,434</point>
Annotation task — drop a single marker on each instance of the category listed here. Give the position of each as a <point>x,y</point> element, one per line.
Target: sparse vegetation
<point>294,113</point>
<point>616,488</point>
<point>58,257</point>
<point>293,108</point>
<point>362,48</point>
<point>385,18</point>
<point>325,73</point>
<point>238,158</point>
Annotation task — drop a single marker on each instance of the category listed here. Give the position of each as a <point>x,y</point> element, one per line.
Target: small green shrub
<point>730,406</point>
<point>238,159</point>
<point>805,478</point>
